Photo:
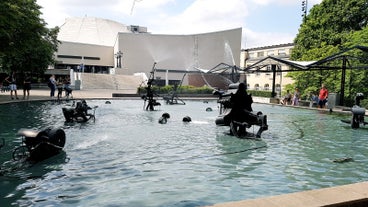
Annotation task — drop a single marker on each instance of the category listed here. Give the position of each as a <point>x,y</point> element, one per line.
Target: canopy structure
<point>328,63</point>
<point>229,71</point>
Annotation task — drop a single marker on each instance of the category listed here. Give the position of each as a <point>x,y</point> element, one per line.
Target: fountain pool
<point>126,158</point>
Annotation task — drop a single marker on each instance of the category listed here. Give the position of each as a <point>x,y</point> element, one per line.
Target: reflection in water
<point>127,158</point>
<point>19,176</point>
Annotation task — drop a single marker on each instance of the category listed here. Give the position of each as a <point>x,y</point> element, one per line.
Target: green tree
<point>26,44</point>
<point>330,27</point>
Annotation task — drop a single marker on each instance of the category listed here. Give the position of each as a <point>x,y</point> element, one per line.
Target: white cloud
<point>284,2</point>
<point>204,16</point>
<point>255,39</point>
<point>174,16</point>
<point>52,12</point>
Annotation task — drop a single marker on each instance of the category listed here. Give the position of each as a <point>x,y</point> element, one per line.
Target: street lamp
<point>304,9</point>
<point>118,56</point>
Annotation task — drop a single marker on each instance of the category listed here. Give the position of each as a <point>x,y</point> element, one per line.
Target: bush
<point>196,90</point>
<point>364,103</point>
<point>267,94</point>
<point>180,90</point>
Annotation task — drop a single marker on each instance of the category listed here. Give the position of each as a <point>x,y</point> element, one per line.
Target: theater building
<point>95,45</point>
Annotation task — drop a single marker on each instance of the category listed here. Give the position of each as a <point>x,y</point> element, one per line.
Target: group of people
<point>12,81</point>
<point>320,100</point>
<point>59,84</point>
<point>53,84</point>
<point>291,99</point>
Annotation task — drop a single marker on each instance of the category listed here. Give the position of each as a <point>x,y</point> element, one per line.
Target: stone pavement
<point>44,94</point>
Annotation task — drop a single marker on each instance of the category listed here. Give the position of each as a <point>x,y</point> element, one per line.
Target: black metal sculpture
<point>358,113</point>
<point>39,145</point>
<point>79,112</point>
<point>172,97</point>
<point>149,97</point>
<point>244,118</point>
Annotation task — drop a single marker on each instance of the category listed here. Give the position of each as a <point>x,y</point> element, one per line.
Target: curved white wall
<point>178,52</point>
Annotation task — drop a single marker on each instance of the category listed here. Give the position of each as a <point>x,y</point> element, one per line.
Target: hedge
<point>196,90</point>
<point>180,90</point>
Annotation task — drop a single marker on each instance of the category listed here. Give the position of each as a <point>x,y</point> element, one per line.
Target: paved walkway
<point>44,94</point>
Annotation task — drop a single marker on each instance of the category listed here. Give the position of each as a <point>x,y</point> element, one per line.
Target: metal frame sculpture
<point>172,97</point>
<point>238,127</point>
<point>150,93</point>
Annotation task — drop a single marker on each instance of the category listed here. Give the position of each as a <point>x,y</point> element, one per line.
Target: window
<point>270,52</point>
<point>279,70</point>
<point>256,86</point>
<point>267,86</point>
<point>278,87</point>
<point>282,52</point>
<point>260,54</point>
<point>268,69</point>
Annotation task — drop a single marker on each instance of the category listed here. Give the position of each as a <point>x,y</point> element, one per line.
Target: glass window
<point>282,52</point>
<point>270,52</point>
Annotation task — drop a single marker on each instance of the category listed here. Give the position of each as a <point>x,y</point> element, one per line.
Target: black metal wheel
<point>20,153</point>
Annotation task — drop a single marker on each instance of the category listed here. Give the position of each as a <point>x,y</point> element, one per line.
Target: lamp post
<point>118,56</point>
<point>304,9</point>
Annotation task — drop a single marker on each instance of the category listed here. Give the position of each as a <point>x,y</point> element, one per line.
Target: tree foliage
<point>331,26</point>
<point>26,44</point>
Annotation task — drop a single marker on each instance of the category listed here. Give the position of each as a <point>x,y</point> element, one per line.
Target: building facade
<point>94,45</point>
<point>263,80</point>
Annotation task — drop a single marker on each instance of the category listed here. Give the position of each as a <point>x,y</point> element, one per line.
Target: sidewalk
<point>44,94</point>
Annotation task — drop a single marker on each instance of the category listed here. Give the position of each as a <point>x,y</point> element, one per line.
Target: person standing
<point>26,86</point>
<point>323,94</point>
<point>287,98</point>
<point>12,85</point>
<point>296,97</point>
<point>67,88</point>
<point>60,85</point>
<point>52,85</point>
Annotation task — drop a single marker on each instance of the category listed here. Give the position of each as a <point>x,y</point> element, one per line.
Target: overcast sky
<point>264,22</point>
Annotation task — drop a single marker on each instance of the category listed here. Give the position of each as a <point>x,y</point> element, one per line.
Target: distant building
<point>263,81</point>
<point>94,45</point>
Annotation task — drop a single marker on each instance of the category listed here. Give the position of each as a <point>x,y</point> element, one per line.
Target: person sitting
<point>287,98</point>
<point>313,100</point>
<point>67,88</point>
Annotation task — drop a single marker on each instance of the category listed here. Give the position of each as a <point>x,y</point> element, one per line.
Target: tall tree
<point>330,26</point>
<point>26,44</point>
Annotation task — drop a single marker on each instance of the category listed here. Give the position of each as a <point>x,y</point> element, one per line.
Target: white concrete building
<point>94,45</point>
